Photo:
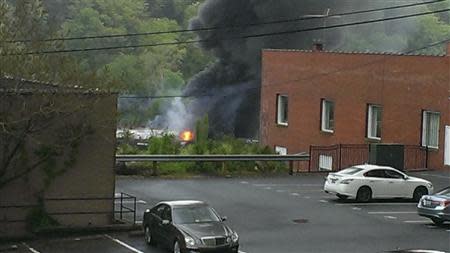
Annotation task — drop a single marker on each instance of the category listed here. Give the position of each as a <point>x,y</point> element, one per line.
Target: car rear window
<point>350,171</point>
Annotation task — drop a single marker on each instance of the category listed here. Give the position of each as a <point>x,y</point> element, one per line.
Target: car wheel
<point>364,194</point>
<point>148,236</point>
<point>419,192</point>
<point>176,247</point>
<point>342,197</point>
<point>437,221</point>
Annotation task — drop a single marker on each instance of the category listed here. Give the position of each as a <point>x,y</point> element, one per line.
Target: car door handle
<point>371,181</point>
<point>391,182</point>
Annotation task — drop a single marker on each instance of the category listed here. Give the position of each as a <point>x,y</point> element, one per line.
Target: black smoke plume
<point>234,80</point>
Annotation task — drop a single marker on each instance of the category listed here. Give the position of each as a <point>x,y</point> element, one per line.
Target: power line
<point>225,27</point>
<point>164,96</point>
<point>227,39</point>
<point>293,80</point>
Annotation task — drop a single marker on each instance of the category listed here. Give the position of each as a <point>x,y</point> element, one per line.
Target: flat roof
<point>368,52</point>
<point>10,84</point>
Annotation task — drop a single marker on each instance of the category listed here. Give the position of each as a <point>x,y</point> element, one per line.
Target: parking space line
<point>400,212</point>
<point>309,190</point>
<point>390,217</point>
<point>323,201</point>
<point>297,185</point>
<point>375,204</point>
<point>29,248</point>
<point>123,244</point>
<point>417,221</point>
<point>356,208</point>
<point>295,194</point>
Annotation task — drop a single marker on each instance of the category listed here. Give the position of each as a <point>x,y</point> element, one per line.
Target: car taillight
<point>445,203</point>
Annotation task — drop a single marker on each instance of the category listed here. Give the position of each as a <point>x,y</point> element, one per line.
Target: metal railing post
<point>134,212</point>
<point>121,205</point>
<point>310,156</point>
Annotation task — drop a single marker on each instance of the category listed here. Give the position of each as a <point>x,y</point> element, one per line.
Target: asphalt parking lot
<point>281,214</point>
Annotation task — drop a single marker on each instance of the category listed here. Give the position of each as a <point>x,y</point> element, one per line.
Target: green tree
<point>430,30</point>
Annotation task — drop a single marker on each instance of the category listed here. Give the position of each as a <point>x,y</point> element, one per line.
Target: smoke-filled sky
<point>234,79</point>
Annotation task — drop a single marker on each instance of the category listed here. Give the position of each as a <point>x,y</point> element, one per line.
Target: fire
<point>187,136</point>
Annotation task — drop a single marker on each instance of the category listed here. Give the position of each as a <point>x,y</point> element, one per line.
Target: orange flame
<point>187,136</point>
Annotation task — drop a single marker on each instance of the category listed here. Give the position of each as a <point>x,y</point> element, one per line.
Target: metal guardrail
<point>213,158</point>
<point>210,158</point>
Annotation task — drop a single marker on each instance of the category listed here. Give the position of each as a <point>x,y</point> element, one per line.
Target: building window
<point>430,129</point>
<point>280,150</point>
<point>325,163</point>
<point>282,110</point>
<point>374,114</point>
<point>327,120</point>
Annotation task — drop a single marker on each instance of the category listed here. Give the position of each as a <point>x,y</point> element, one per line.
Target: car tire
<point>419,192</point>
<point>342,197</point>
<point>148,236</point>
<point>364,194</point>
<point>437,221</point>
<point>176,247</point>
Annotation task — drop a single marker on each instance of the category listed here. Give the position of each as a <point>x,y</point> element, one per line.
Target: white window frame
<point>281,150</point>
<point>325,162</point>
<point>426,125</point>
<point>326,116</point>
<point>447,146</point>
<point>282,106</point>
<point>370,126</point>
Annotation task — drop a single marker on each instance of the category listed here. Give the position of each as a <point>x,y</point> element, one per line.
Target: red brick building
<point>326,98</point>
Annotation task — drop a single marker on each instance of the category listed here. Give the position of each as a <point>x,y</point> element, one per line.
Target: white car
<point>366,182</point>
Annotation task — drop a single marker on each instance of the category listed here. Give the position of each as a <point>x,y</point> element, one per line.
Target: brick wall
<point>402,85</point>
<point>85,191</point>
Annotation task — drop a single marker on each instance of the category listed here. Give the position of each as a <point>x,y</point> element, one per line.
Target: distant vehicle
<point>436,207</point>
<point>188,226</point>
<point>366,182</point>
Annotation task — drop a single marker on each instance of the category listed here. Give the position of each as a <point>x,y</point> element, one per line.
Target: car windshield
<point>194,214</point>
<point>350,171</point>
<point>445,192</point>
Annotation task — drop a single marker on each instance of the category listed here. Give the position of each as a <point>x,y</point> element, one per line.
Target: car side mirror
<point>224,218</point>
<point>405,177</point>
<point>165,222</point>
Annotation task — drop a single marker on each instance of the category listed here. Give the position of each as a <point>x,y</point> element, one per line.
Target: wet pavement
<point>281,214</point>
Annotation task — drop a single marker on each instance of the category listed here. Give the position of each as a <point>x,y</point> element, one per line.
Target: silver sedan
<point>436,206</point>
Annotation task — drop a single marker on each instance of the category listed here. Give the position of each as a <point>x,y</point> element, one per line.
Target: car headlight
<point>430,185</point>
<point>234,237</point>
<point>190,242</point>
